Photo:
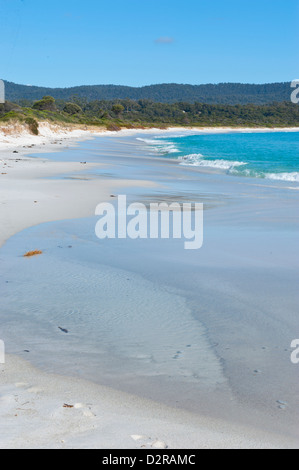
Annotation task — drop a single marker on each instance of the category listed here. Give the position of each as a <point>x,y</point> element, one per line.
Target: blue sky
<point>141,42</point>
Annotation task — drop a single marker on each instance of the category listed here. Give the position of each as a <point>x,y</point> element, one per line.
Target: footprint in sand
<point>282,405</point>
<point>177,355</point>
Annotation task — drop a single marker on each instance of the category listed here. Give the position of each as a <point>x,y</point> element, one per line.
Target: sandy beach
<point>27,196</point>
<point>40,410</point>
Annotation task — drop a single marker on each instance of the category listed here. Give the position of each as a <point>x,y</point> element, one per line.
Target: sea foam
<point>293,176</point>
<point>160,146</point>
<point>197,159</point>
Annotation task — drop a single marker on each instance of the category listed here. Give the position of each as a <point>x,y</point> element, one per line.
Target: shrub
<point>47,103</point>
<point>11,116</point>
<point>32,124</point>
<point>112,127</point>
<point>72,108</point>
<point>8,107</point>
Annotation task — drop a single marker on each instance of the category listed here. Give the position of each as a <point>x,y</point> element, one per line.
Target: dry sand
<point>39,410</point>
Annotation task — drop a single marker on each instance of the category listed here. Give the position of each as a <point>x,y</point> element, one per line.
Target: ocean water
<point>270,155</point>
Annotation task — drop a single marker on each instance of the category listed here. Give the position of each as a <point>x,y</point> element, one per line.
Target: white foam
<point>160,146</point>
<point>147,141</point>
<point>197,159</point>
<point>167,149</point>
<point>294,176</point>
<point>175,136</point>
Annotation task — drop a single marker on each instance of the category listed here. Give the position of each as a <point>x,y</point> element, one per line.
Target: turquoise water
<point>271,155</point>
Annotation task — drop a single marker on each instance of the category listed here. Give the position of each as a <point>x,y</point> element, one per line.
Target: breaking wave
<point>197,159</point>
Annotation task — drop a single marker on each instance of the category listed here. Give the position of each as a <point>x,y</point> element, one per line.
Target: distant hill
<point>223,93</point>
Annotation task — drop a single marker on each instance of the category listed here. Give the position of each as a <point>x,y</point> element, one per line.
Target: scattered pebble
<point>63,330</point>
<point>159,445</point>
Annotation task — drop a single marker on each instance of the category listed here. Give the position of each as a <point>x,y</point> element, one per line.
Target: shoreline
<point>17,135</point>
<point>44,395</point>
<point>27,191</point>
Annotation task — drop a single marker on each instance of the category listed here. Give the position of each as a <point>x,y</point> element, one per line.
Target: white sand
<point>32,403</point>
<point>33,415</point>
<point>16,135</point>
<point>27,198</point>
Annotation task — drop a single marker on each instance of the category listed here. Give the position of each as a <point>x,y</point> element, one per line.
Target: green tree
<point>47,103</point>
<point>72,108</point>
<point>117,109</point>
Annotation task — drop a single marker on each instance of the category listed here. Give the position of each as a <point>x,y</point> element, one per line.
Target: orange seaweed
<point>32,253</point>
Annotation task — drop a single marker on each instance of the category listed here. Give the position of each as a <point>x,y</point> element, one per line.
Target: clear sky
<point>61,43</point>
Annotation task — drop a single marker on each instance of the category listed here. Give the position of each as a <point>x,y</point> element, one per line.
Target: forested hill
<point>223,93</point>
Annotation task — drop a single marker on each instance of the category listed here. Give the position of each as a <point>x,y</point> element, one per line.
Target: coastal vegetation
<point>117,114</point>
<point>32,124</point>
